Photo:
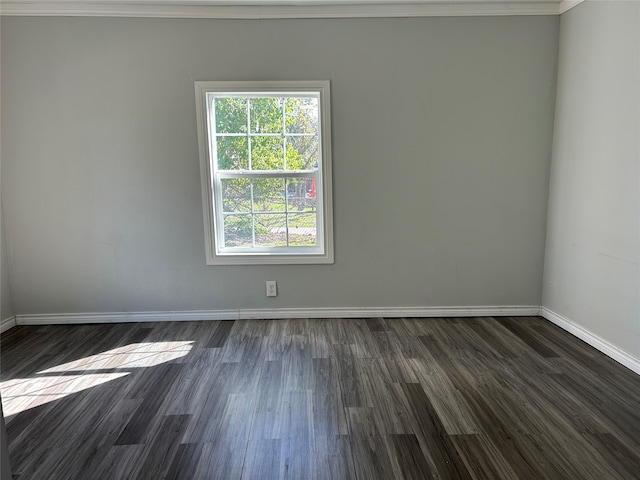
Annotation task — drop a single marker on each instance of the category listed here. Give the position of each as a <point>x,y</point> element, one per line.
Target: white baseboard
<point>274,313</point>
<point>7,323</point>
<point>570,326</point>
<point>592,339</point>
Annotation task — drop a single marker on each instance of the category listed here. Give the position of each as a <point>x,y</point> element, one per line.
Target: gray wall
<point>442,132</point>
<point>6,304</point>
<point>591,269</point>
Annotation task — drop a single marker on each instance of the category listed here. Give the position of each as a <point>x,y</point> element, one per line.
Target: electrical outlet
<point>272,288</point>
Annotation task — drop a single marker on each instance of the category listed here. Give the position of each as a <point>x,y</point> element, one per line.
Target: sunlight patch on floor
<point>20,394</point>
<point>135,355</point>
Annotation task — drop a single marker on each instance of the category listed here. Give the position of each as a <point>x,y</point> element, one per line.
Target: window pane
<point>271,230</point>
<point>236,195</point>
<point>233,153</point>
<point>302,229</point>
<point>301,194</point>
<point>266,115</point>
<point>237,230</point>
<point>267,153</point>
<point>301,115</point>
<point>268,195</point>
<point>231,115</point>
<point>302,153</point>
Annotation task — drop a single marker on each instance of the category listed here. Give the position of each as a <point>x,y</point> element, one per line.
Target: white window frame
<point>216,253</point>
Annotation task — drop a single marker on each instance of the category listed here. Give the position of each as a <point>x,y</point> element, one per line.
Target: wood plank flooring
<point>403,398</point>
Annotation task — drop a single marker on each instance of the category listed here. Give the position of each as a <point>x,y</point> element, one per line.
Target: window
<point>266,171</point>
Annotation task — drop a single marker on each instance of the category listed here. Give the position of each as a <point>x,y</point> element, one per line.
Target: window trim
<point>301,255</point>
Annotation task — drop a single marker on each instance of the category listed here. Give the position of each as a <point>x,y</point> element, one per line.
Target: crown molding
<point>279,9</point>
<point>566,5</point>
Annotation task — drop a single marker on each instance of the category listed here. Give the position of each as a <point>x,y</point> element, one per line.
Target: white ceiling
<point>283,8</point>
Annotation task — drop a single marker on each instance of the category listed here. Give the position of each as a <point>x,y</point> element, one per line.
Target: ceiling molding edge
<point>566,5</point>
<point>158,10</point>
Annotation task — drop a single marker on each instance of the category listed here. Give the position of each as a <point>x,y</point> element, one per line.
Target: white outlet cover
<point>272,288</point>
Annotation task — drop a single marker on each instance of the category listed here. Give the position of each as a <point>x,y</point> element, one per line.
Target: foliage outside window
<point>266,171</point>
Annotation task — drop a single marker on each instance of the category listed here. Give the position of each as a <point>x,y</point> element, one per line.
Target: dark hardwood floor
<point>473,398</point>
